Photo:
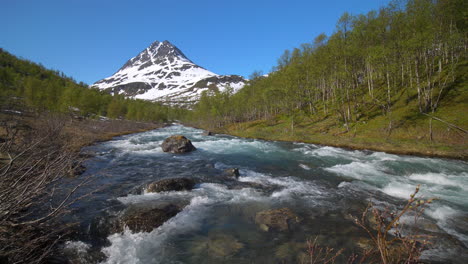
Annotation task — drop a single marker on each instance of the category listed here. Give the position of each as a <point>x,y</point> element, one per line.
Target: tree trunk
<point>430,130</point>
<point>418,85</point>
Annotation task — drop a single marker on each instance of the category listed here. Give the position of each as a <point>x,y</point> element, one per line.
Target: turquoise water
<point>322,185</point>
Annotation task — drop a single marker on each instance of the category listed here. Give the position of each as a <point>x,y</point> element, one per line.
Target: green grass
<point>406,140</point>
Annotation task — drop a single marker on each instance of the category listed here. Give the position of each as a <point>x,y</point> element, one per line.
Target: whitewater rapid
<point>323,185</point>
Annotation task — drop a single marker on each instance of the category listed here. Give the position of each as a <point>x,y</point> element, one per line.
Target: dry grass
<point>391,241</point>
<point>79,132</point>
<point>87,132</point>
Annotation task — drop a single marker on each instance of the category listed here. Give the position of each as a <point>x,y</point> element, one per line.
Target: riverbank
<point>89,132</point>
<point>402,141</point>
<point>77,132</point>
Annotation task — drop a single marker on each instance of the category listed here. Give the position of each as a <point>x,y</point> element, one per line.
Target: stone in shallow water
<point>216,245</point>
<point>277,219</point>
<point>177,144</point>
<point>171,184</point>
<point>292,252</point>
<point>364,243</point>
<point>207,133</point>
<point>145,219</point>
<point>232,172</point>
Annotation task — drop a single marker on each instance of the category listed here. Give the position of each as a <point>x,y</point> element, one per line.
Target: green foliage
<point>407,54</point>
<point>46,90</point>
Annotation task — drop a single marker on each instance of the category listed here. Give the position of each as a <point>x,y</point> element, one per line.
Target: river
<point>322,185</point>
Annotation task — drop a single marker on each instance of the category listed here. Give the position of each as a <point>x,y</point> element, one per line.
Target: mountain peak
<point>165,49</point>
<point>157,53</point>
<point>162,72</point>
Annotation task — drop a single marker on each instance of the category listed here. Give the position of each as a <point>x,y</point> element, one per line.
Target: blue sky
<point>90,39</point>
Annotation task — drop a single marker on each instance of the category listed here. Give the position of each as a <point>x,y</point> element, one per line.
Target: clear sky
<point>90,39</point>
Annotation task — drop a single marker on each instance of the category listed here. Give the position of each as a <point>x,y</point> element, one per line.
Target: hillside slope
<point>391,80</point>
<point>28,86</point>
<point>410,134</point>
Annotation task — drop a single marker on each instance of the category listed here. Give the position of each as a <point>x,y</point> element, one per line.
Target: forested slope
<point>24,84</point>
<point>392,79</point>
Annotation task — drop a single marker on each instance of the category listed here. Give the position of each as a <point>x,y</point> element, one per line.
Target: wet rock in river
<point>210,166</point>
<point>216,245</point>
<point>171,184</point>
<point>232,172</point>
<point>177,144</point>
<point>146,219</point>
<point>292,252</point>
<point>364,243</point>
<point>277,219</point>
<point>208,133</point>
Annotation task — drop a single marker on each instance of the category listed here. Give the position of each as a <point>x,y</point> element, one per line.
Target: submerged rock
<point>238,185</point>
<point>232,172</point>
<point>77,252</point>
<point>210,166</point>
<point>277,219</point>
<point>364,243</point>
<point>216,245</point>
<point>145,219</point>
<point>177,144</point>
<point>292,252</point>
<point>171,184</point>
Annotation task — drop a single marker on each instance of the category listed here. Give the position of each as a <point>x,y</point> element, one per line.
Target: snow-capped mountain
<point>163,73</point>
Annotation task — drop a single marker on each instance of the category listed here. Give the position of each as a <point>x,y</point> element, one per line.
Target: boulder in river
<point>171,184</point>
<point>277,219</point>
<point>232,172</point>
<point>177,144</point>
<point>145,220</point>
<point>207,133</point>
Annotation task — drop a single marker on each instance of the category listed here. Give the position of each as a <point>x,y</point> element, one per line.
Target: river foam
<point>142,247</point>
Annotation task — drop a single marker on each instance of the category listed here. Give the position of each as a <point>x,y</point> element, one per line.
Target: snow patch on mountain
<point>163,73</point>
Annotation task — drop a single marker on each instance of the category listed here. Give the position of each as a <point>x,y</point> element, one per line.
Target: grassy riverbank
<point>410,133</point>
<point>371,140</point>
